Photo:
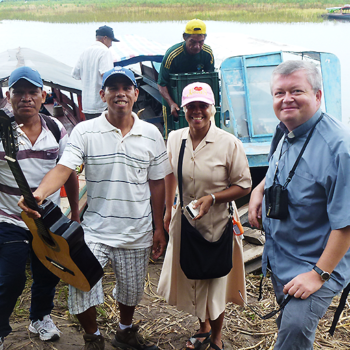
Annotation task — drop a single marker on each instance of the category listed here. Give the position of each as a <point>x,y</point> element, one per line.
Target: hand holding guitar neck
<point>33,214</point>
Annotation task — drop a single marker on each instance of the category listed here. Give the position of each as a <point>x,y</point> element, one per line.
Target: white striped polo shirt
<point>117,171</point>
<point>35,161</point>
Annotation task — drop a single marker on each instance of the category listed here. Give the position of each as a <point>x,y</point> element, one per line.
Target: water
<point>65,42</point>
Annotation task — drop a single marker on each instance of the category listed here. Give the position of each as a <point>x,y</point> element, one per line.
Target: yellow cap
<point>196,26</point>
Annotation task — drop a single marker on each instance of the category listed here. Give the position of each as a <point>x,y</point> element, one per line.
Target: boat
<point>342,13</point>
<point>63,90</point>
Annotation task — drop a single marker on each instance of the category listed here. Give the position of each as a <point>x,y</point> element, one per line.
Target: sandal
<point>215,347</point>
<point>196,342</point>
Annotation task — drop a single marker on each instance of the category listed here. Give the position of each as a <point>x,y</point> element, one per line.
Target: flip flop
<point>215,347</point>
<point>196,342</point>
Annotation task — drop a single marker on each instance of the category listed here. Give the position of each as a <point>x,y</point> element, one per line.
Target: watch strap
<point>322,273</point>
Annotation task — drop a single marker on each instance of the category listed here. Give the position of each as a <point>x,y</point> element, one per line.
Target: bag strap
<point>179,175</point>
<point>292,172</point>
<point>340,308</point>
<point>53,127</point>
<point>179,169</point>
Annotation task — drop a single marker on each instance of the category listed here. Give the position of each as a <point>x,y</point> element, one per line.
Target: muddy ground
<point>165,325</point>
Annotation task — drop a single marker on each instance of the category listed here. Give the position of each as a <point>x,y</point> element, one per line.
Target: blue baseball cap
<point>121,71</point>
<point>106,31</point>
<point>26,73</point>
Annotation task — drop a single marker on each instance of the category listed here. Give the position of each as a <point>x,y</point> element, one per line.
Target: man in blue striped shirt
<point>38,152</point>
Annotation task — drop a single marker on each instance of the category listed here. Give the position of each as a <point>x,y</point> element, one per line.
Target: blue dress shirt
<point>318,200</point>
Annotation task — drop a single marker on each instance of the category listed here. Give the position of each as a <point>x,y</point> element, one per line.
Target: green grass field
<point>312,3</point>
<point>74,11</point>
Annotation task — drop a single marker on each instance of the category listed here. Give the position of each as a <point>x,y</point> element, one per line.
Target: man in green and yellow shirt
<point>189,56</point>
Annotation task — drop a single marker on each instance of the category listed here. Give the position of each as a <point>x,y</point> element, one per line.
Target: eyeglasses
<point>272,313</point>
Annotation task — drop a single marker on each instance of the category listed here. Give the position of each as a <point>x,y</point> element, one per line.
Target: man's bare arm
<point>157,188</point>
<point>170,189</point>
<point>255,205</point>
<point>72,189</point>
<point>173,106</point>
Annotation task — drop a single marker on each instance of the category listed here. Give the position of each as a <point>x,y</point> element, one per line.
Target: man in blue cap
<point>92,64</point>
<point>37,154</point>
<point>125,165</point>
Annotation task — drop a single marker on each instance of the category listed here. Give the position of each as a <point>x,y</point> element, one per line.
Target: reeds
<point>169,328</point>
<point>74,11</point>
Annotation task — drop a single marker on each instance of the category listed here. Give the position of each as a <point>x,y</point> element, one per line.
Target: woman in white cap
<point>215,172</point>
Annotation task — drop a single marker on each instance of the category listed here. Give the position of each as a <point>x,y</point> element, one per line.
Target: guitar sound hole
<point>49,241</point>
<point>46,237</point>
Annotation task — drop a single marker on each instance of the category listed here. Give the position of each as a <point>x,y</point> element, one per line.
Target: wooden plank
<point>254,251</point>
<point>253,265</point>
<point>243,210</point>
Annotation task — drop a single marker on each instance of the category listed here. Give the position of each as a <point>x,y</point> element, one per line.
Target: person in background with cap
<point>216,173</point>
<point>189,56</point>
<point>125,164</point>
<point>92,64</point>
<point>38,153</point>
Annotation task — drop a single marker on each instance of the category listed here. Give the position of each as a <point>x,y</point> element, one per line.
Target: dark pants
<point>15,248</point>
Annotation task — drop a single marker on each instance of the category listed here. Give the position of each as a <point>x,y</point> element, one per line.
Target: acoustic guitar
<point>57,241</point>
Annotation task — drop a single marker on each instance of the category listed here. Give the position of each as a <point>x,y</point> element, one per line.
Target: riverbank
<point>74,11</point>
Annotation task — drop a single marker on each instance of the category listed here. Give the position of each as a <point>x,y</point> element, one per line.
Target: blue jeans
<point>298,321</point>
<point>15,248</point>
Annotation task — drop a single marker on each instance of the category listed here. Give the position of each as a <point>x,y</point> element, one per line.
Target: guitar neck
<point>23,184</point>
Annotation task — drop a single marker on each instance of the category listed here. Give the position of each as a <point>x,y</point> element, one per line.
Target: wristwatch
<point>325,276</point>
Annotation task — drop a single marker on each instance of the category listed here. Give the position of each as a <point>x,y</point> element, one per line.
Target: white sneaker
<point>46,329</point>
<point>1,343</point>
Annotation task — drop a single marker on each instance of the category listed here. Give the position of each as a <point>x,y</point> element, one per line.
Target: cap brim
<point>30,80</point>
<point>115,40</point>
<point>196,99</point>
<point>118,74</point>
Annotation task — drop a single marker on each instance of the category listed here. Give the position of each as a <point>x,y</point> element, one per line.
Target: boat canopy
<point>333,9</point>
<point>134,49</point>
<point>241,44</point>
<point>54,73</point>
<point>338,8</point>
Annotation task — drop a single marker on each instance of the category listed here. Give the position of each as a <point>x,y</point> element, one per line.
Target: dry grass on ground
<point>170,328</point>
